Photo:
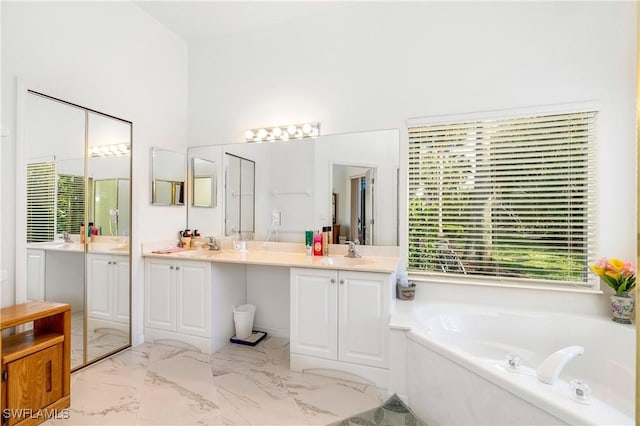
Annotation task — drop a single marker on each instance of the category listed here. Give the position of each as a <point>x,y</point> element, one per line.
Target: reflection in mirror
<point>78,173</point>
<point>168,171</point>
<point>203,183</point>
<point>107,286</point>
<point>354,185</point>
<point>239,196</point>
<point>296,180</point>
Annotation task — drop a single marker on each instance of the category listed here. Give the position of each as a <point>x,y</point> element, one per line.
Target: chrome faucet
<point>213,244</point>
<point>66,237</point>
<point>352,250</point>
<point>549,370</point>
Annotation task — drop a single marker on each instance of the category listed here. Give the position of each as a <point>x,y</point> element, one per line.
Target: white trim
<point>340,370</point>
<point>21,196</point>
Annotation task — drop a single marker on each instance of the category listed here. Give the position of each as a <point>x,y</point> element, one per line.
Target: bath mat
<point>252,340</point>
<point>392,413</point>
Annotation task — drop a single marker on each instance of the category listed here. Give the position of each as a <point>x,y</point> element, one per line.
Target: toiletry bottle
<point>82,235</point>
<point>89,229</point>
<point>94,233</point>
<point>317,244</point>
<point>308,241</point>
<point>325,240</point>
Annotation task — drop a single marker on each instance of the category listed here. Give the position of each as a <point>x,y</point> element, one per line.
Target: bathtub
<point>456,369</point>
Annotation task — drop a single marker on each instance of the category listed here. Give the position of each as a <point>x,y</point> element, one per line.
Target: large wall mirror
<point>168,172</point>
<point>77,164</point>
<point>349,181</point>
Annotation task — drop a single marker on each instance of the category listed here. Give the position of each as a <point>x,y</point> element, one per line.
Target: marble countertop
<point>383,264</point>
<point>114,247</point>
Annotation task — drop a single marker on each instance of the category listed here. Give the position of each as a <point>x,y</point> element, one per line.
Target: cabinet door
<point>34,382</point>
<point>160,295</point>
<point>364,318</point>
<point>121,289</point>
<point>99,291</point>
<point>35,274</point>
<point>193,281</point>
<point>314,312</point>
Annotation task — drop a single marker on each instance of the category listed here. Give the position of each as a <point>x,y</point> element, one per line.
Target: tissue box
<point>406,293</point>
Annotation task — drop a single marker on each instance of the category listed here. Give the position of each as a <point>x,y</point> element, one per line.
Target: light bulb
<point>292,129</point>
<point>249,134</point>
<point>314,132</point>
<point>276,132</point>
<point>299,134</point>
<point>104,149</point>
<point>306,128</point>
<point>284,136</point>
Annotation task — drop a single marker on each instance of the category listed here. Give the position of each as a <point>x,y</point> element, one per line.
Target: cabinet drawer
<point>34,381</point>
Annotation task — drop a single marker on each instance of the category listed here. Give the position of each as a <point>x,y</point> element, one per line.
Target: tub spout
<point>549,370</point>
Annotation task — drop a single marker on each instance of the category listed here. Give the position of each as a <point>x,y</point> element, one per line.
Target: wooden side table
<point>36,364</point>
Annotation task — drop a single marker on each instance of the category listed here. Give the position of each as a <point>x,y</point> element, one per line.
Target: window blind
<point>70,203</point>
<point>504,197</point>
<point>40,201</point>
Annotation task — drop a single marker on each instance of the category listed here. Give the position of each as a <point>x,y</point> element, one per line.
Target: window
<point>70,203</point>
<point>52,206</point>
<point>509,197</point>
<point>40,201</point>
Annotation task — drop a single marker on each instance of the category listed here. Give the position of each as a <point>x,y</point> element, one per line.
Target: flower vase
<point>621,308</point>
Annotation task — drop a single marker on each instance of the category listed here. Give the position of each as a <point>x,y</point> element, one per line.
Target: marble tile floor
<point>158,384</point>
<point>99,341</point>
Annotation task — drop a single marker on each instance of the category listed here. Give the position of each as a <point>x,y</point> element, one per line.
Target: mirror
<point>168,171</point>
<point>295,183</point>
<point>203,183</point>
<point>239,196</point>
<point>78,172</point>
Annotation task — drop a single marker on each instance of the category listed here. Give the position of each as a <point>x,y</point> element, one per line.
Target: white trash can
<point>243,319</point>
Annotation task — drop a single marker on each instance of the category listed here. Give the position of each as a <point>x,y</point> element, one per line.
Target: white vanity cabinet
<point>340,320</point>
<point>177,304</point>
<point>108,291</point>
<point>35,274</point>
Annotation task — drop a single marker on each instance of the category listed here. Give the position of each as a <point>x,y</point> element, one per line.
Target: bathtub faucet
<point>549,370</point>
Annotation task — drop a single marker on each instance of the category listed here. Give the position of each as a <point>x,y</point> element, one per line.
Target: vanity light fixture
<point>110,150</point>
<point>283,133</point>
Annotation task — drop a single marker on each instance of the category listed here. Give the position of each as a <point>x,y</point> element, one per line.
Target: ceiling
<point>209,19</point>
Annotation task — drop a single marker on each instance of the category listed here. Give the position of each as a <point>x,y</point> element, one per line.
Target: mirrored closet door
<point>78,221</point>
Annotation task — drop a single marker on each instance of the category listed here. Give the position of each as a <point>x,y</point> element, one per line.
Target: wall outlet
<point>276,217</point>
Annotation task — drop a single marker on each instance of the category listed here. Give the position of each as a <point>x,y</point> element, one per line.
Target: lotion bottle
<point>317,244</point>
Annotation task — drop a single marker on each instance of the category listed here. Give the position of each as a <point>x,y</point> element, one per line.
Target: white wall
<point>373,65</point>
<point>111,57</point>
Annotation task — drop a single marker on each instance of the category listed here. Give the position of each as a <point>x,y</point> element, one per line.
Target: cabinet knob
<point>177,268</point>
<point>114,263</point>
<point>333,281</point>
<point>341,281</point>
<point>170,267</point>
<point>109,263</point>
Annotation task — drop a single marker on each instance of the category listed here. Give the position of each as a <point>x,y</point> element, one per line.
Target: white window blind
<point>40,201</point>
<point>504,197</point>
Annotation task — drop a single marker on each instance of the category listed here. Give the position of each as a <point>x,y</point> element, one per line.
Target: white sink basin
<point>345,261</point>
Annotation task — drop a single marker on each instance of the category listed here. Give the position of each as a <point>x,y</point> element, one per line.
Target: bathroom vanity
<point>338,308</point>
